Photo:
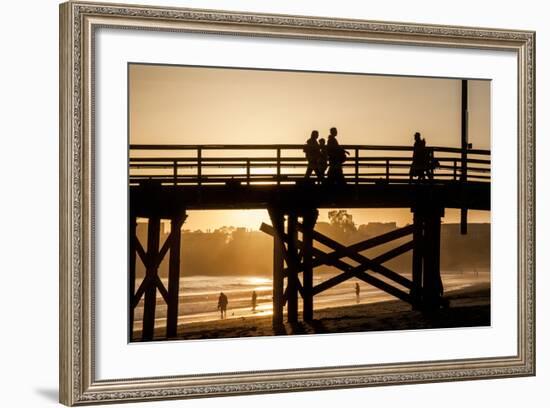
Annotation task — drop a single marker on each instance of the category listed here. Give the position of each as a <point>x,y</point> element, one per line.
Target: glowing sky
<point>190,105</point>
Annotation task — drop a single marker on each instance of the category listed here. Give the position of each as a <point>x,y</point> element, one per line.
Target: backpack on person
<point>341,155</point>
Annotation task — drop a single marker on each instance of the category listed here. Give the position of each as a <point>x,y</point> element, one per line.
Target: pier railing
<point>197,165</point>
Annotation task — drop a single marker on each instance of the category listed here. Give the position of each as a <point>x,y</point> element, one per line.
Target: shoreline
<point>469,307</point>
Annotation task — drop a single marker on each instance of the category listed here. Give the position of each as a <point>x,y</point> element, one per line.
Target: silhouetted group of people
<point>321,154</point>
<point>423,161</point>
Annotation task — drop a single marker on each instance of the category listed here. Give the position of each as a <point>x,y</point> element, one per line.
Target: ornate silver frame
<point>78,21</point>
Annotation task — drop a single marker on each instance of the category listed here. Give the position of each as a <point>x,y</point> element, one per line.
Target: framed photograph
<point>258,203</point>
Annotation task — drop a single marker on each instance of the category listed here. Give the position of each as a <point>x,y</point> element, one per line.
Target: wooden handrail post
<point>199,166</point>
<point>248,172</point>
<point>387,169</point>
<point>175,172</point>
<point>278,166</point>
<point>356,166</point>
<point>454,170</point>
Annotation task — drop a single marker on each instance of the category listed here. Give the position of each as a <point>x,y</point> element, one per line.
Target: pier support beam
<point>427,290</point>
<point>278,222</point>
<point>292,263</point>
<point>433,287</point>
<point>296,262</point>
<point>150,293</point>
<point>417,259</point>
<point>131,271</point>
<point>174,275</point>
<point>152,258</point>
<point>309,221</point>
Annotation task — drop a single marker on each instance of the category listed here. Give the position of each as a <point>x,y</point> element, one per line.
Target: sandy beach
<point>469,307</point>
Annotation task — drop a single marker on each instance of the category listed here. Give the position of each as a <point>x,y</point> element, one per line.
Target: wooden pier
<point>168,180</point>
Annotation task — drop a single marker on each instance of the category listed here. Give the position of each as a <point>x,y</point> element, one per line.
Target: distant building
<point>377,228</point>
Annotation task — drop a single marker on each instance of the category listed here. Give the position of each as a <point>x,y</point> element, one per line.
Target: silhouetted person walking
<point>357,292</point>
<point>254,300</point>
<point>419,159</point>
<point>222,305</point>
<point>311,149</point>
<point>336,158</point>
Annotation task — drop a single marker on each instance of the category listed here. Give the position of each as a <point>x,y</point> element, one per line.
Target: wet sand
<point>469,307</point>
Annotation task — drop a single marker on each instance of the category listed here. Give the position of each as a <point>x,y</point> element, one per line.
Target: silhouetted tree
<point>342,220</point>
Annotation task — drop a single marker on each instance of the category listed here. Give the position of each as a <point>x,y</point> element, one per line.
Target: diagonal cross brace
<point>352,252</point>
<point>375,264</point>
<point>341,251</point>
<point>360,246</point>
<point>144,283</point>
<point>359,271</point>
<point>152,263</point>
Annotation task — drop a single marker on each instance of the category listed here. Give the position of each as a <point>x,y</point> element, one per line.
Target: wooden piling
<point>174,275</point>
<point>292,262</point>
<point>131,272</point>
<point>432,287</point>
<point>417,258</point>
<point>277,221</point>
<point>150,294</point>
<point>309,221</point>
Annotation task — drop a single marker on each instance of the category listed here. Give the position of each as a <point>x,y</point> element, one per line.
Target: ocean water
<point>198,298</point>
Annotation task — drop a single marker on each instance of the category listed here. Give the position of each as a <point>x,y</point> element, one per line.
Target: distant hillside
<point>230,251</point>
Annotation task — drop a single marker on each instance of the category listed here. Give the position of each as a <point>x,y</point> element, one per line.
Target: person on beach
<point>311,149</point>
<point>357,292</point>
<point>254,300</point>
<point>336,158</point>
<point>222,305</point>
